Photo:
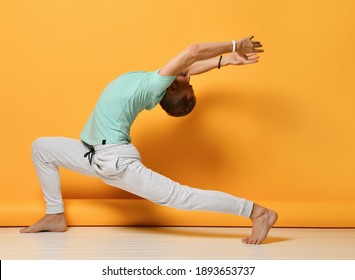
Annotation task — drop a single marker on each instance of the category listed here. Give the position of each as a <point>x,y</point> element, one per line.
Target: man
<point>105,150</point>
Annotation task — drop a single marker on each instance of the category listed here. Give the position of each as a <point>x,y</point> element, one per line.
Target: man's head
<point>179,99</point>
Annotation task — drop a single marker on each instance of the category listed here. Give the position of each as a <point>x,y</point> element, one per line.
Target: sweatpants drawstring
<point>90,154</point>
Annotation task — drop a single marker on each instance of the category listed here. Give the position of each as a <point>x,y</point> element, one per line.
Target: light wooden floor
<point>132,243</point>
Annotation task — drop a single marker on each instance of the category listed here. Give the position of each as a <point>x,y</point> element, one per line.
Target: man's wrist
<point>237,45</point>
<point>225,61</point>
<point>222,61</point>
<point>234,46</point>
<point>219,62</point>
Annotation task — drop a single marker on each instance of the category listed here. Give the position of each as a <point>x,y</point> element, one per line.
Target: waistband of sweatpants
<point>123,150</point>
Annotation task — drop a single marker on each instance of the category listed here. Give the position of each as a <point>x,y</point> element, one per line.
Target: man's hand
<point>246,46</point>
<point>236,59</point>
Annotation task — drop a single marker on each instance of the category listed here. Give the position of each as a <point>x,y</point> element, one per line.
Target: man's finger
<point>251,37</point>
<point>253,57</point>
<point>250,54</point>
<point>243,56</point>
<point>251,61</point>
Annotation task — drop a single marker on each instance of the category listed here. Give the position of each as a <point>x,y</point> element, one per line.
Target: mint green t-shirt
<point>120,103</point>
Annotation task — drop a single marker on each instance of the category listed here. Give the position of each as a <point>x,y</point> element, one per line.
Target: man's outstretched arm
<point>203,66</point>
<point>205,51</point>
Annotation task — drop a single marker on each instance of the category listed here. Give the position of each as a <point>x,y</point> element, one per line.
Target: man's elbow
<point>194,52</point>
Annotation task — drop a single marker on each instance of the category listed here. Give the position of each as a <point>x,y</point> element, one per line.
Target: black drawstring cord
<point>90,154</point>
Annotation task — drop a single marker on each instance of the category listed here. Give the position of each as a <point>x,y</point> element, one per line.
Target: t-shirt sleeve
<point>157,85</point>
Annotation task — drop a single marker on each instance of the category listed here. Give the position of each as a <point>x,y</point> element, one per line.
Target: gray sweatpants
<point>120,165</point>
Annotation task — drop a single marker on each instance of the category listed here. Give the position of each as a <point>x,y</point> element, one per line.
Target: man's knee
<point>39,145</point>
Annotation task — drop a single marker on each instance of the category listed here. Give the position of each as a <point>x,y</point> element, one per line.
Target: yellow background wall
<point>280,131</point>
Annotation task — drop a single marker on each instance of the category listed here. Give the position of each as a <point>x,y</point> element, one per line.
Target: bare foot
<point>50,222</point>
<point>263,219</point>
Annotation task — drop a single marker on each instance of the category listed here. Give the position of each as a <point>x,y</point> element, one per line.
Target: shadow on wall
<point>205,148</point>
<point>215,140</point>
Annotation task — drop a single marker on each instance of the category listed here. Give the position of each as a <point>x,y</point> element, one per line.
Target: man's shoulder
<point>141,73</point>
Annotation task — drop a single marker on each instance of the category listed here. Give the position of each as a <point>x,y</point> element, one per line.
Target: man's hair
<point>178,104</point>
